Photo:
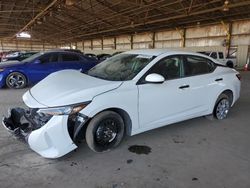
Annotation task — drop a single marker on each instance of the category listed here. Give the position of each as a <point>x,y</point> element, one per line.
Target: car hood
<point>65,88</point>
<point>6,64</point>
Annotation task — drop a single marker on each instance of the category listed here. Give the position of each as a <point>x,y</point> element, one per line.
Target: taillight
<point>238,76</point>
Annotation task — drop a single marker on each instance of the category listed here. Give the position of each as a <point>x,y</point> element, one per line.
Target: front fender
<point>126,100</point>
<point>3,76</point>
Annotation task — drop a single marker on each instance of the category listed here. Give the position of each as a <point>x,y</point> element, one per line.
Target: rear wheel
<point>222,107</point>
<point>16,80</point>
<point>105,131</point>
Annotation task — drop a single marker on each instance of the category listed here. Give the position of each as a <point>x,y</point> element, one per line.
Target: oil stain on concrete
<point>140,149</point>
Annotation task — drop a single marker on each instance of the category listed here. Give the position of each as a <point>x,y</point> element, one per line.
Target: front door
<point>161,104</point>
<point>48,63</point>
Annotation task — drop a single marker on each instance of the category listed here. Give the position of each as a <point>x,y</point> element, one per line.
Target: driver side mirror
<point>155,78</point>
<point>37,61</point>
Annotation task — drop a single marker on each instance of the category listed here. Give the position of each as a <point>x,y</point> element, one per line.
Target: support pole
<point>131,42</point>
<point>228,30</point>
<point>153,40</point>
<point>102,43</point>
<point>229,38</point>
<point>183,36</point>
<point>115,43</point>
<point>91,44</point>
<point>43,45</point>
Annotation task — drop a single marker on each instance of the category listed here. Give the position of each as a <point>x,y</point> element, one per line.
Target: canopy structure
<point>60,21</point>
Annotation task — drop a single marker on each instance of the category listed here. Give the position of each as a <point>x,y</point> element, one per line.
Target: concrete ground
<point>193,154</point>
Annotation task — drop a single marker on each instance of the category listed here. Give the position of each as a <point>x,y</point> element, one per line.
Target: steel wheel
<point>105,131</point>
<point>222,109</point>
<point>16,80</point>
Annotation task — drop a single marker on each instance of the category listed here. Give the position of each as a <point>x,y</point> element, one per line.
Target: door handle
<point>218,79</point>
<point>184,86</point>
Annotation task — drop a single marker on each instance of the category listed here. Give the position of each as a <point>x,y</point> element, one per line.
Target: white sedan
<point>127,94</point>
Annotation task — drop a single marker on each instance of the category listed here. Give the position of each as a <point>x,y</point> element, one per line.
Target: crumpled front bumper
<point>17,124</point>
<point>51,140</point>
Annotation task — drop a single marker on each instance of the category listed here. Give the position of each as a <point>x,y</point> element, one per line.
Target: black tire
<point>16,80</point>
<point>222,107</point>
<point>230,64</point>
<point>105,131</point>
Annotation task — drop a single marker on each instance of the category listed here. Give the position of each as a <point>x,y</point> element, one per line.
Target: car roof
<point>58,50</point>
<point>61,51</point>
<point>157,52</point>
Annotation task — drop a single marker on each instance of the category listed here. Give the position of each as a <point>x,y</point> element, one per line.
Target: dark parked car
<point>91,56</point>
<point>102,57</point>
<point>4,54</point>
<point>116,53</point>
<point>73,50</point>
<point>18,56</point>
<point>35,68</point>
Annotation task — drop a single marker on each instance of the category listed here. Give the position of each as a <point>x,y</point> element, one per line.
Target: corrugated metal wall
<point>196,39</point>
<point>208,38</point>
<point>25,45</point>
<point>167,39</point>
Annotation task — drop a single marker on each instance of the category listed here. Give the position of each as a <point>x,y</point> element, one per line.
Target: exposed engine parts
<point>22,121</point>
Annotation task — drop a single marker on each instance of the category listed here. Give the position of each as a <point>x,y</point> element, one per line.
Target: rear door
<point>76,62</point>
<point>87,63</point>
<point>202,82</point>
<point>69,61</point>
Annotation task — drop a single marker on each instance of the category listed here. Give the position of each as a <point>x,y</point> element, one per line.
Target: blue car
<point>19,74</point>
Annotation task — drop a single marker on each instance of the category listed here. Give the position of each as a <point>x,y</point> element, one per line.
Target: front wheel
<point>105,131</point>
<point>16,80</point>
<point>222,107</point>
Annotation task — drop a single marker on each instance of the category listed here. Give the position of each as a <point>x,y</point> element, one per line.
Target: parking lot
<point>195,153</point>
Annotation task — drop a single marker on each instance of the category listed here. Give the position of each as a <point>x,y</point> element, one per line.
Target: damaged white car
<point>127,94</point>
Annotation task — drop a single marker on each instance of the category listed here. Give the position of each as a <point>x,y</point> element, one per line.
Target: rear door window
<point>196,65</point>
<point>70,57</point>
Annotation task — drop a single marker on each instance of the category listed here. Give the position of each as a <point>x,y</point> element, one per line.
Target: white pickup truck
<point>220,56</point>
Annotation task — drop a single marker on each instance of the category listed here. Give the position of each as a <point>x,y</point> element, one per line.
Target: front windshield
<point>121,67</point>
<point>33,57</point>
